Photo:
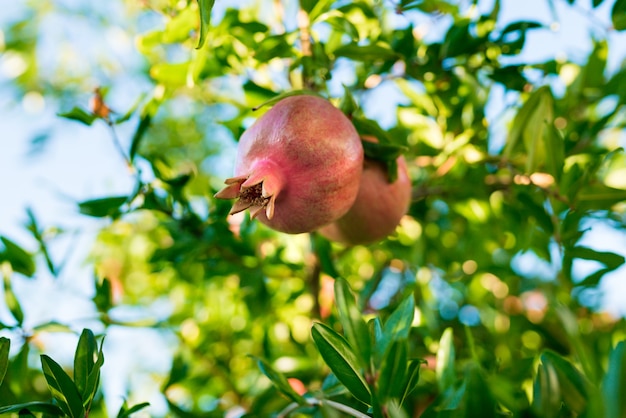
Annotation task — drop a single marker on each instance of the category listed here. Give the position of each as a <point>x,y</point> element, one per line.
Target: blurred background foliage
<point>489,260</point>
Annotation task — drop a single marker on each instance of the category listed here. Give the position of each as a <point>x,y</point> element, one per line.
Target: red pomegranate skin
<point>378,208</point>
<point>298,166</point>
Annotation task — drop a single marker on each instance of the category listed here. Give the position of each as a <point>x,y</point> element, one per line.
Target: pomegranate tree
<point>298,166</point>
<point>378,208</point>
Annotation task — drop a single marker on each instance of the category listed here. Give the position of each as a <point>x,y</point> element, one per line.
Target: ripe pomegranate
<point>298,166</point>
<point>378,208</point>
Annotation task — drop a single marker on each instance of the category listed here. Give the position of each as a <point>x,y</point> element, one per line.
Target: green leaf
<point>84,365</point>
<point>375,327</point>
<point>206,6</point>
<point>34,228</point>
<point>93,378</point>
<point>382,152</point>
<point>547,393</point>
<point>12,302</point>
<point>177,29</point>
<point>478,394</point>
<point>21,261</point>
<point>126,412</point>
<point>555,152</point>
<point>614,384</point>
<point>343,362</point>
<point>354,327</point>
<point>348,105</point>
<point>321,6</point>
<point>342,25</point>
<point>170,74</point>
<point>398,325</point>
<point>357,52</point>
<point>366,126</point>
<point>575,387</point>
<point>44,407</point>
<point>610,260</point>
<point>520,26</point>
<point>529,127</point>
<point>5,345</point>
<point>392,374</point>
<point>140,132</point>
<point>323,249</point>
<point>103,299</point>
<point>63,389</point>
<point>100,208</point>
<point>279,380</point>
<point>445,368</point>
<point>412,378</point>
<point>282,96</point>
<point>599,196</point>
<point>618,15</point>
<point>80,115</point>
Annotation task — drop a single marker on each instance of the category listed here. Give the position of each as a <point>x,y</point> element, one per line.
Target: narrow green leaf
<point>100,208</point>
<point>12,302</point>
<point>33,226</point>
<point>546,392</point>
<point>126,412</point>
<point>614,384</point>
<point>609,259</point>
<point>206,6</point>
<point>555,151</point>
<point>343,362</point>
<point>44,407</point>
<point>382,152</point>
<point>140,132</point>
<point>279,380</point>
<point>366,52</point>
<point>93,378</point>
<point>532,111</point>
<point>412,378</point>
<point>391,378</point>
<point>354,327</point>
<point>5,345</point>
<point>341,24</point>
<point>103,299</point>
<point>537,127</point>
<point>21,260</point>
<point>62,388</point>
<point>521,26</point>
<point>348,105</point>
<point>84,360</point>
<point>478,394</point>
<point>575,387</point>
<point>321,6</point>
<point>282,96</point>
<point>618,15</point>
<point>375,327</point>
<point>445,368</point>
<point>80,115</point>
<point>398,325</point>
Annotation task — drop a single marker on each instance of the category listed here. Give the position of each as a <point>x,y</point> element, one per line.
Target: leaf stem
<point>118,146</point>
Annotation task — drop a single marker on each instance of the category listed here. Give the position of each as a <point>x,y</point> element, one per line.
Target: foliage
<point>437,320</point>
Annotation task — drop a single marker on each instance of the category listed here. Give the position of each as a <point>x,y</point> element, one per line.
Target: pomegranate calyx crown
<point>249,196</point>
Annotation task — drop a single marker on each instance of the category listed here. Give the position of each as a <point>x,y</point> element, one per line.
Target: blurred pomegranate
<point>378,208</point>
<point>298,166</point>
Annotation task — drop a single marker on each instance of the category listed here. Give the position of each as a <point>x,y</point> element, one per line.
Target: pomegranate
<point>378,208</point>
<point>298,166</point>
